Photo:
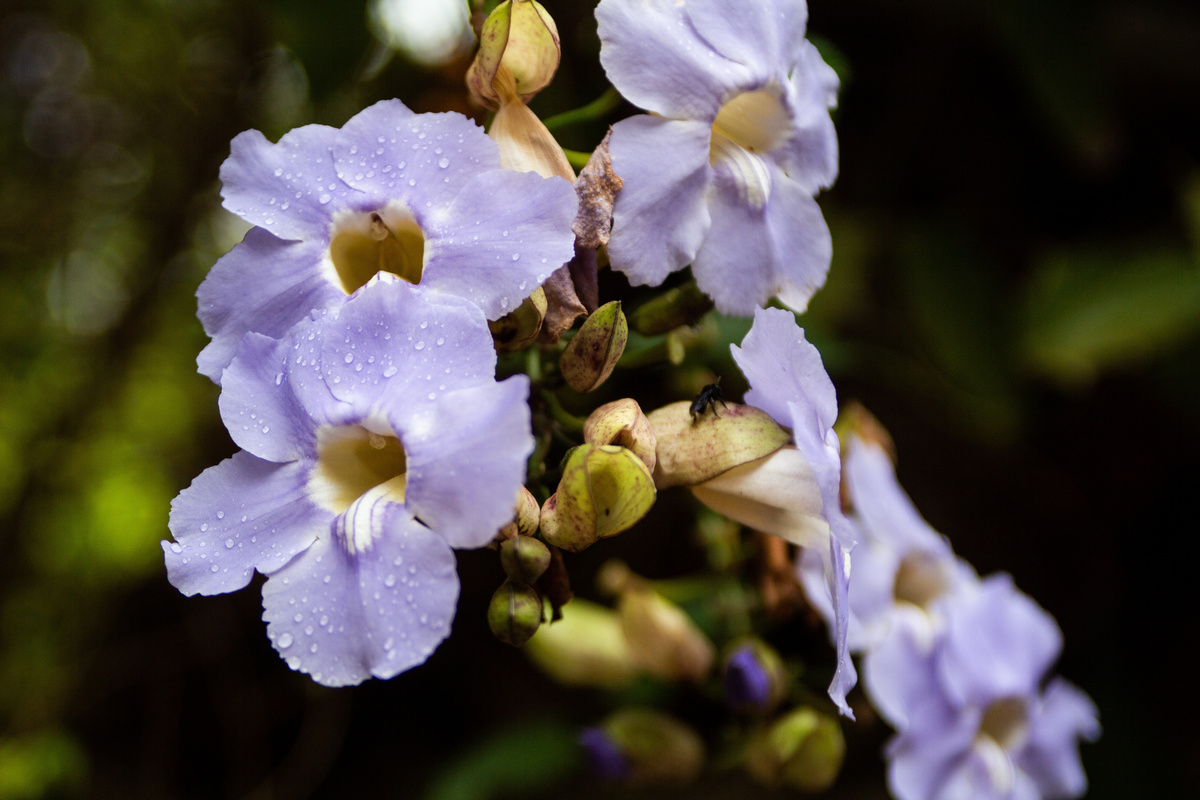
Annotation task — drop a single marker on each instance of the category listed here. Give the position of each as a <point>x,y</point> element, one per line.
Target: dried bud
<point>753,677</point>
<point>622,423</point>
<point>663,640</point>
<point>658,748</point>
<point>591,356</point>
<point>515,613</point>
<point>604,490</point>
<point>693,451</point>
<point>520,37</point>
<point>777,494</point>
<point>519,328</point>
<point>525,559</point>
<point>803,750</point>
<point>585,648</point>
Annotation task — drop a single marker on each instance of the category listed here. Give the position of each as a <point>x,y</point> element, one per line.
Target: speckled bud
<point>604,490</point>
<point>593,353</point>
<point>622,423</point>
<point>520,37</point>
<point>803,750</point>
<point>524,558</point>
<point>691,451</point>
<point>515,613</point>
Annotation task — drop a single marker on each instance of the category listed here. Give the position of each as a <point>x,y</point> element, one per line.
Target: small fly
<point>708,398</point>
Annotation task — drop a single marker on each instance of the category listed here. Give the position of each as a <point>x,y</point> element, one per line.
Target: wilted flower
<point>723,171</point>
<point>374,440</point>
<point>985,729</point>
<point>421,196</point>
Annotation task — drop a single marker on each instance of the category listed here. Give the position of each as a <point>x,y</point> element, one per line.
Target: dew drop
<point>204,527</point>
<point>176,547</point>
<point>443,162</point>
<point>325,198</point>
<point>285,641</point>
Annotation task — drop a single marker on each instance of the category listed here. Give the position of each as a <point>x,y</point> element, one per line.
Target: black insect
<point>708,398</point>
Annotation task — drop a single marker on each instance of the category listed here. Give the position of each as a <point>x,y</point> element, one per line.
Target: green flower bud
<point>515,613</point>
<point>604,490</point>
<point>660,749</point>
<point>520,38</point>
<point>690,451</point>
<point>622,423</point>
<point>593,353</point>
<point>519,328</point>
<point>585,648</point>
<point>524,558</point>
<point>803,750</point>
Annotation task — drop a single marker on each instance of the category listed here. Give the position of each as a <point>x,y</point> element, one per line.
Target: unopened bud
<point>604,490</point>
<point>592,354</point>
<point>662,638</point>
<point>803,750</point>
<point>520,37</point>
<point>524,558</point>
<point>519,328</point>
<point>753,677</point>
<point>528,512</point>
<point>605,757</point>
<point>515,613</point>
<point>658,748</point>
<point>622,423</point>
<point>585,648</point>
<point>691,452</point>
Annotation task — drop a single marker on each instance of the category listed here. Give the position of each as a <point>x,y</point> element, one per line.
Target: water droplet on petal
<point>285,641</point>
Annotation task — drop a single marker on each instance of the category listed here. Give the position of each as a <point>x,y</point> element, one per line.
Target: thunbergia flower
<point>722,173</point>
<point>374,439</point>
<point>421,196</point>
<point>789,382</point>
<point>985,729</point>
<point>904,573</point>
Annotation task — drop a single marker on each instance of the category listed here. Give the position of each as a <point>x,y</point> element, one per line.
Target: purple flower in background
<point>789,382</point>
<point>374,439</point>
<point>985,729</point>
<point>421,196</point>
<point>723,172</point>
<point>904,572</point>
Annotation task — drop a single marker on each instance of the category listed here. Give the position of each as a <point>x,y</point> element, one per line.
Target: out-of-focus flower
<point>374,440</point>
<point>421,196</point>
<point>803,750</point>
<point>794,493</point>
<point>985,729</point>
<point>587,647</point>
<point>753,677</point>
<point>657,749</point>
<point>722,173</point>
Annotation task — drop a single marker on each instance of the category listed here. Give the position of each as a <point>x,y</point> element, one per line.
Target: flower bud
<point>585,648</point>
<point>528,512</point>
<point>662,638</point>
<point>604,490</point>
<point>658,748</point>
<point>515,613</point>
<point>592,354</point>
<point>524,558</point>
<point>691,452</point>
<point>622,423</point>
<point>753,677</point>
<point>777,494</point>
<point>803,750</point>
<point>520,37</point>
<point>519,328</point>
<point>605,757</point>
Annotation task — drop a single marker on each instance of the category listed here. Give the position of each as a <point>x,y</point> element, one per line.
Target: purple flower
<point>789,382</point>
<point>605,757</point>
<point>374,439</point>
<point>723,171</point>
<point>421,196</point>
<point>747,681</point>
<point>985,729</point>
<point>904,571</point>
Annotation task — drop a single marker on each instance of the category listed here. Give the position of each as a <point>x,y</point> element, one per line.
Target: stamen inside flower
<point>1006,722</point>
<point>754,121</point>
<point>351,461</point>
<point>920,580</point>
<point>388,240</point>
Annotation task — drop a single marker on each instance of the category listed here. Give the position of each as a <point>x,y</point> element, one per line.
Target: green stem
<point>566,420</point>
<point>576,159</point>
<point>593,110</point>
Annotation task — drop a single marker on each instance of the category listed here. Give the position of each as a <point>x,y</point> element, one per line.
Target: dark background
<point>1015,294</point>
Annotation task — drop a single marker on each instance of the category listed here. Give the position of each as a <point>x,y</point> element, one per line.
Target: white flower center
<point>365,243</point>
<point>920,580</point>
<point>746,127</point>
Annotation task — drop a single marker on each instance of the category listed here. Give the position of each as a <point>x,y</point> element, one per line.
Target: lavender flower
<point>789,382</point>
<point>985,729</point>
<point>417,195</point>
<point>374,440</point>
<point>723,172</point>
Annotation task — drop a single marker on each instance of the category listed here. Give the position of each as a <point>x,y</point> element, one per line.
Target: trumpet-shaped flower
<point>722,173</point>
<point>421,196</point>
<point>985,729</point>
<point>789,382</point>
<point>374,439</point>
